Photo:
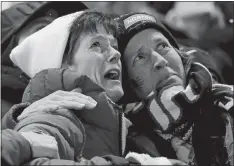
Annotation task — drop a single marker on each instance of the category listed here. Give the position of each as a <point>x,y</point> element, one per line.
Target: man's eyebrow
<point>139,50</point>
<point>135,53</point>
<point>158,39</point>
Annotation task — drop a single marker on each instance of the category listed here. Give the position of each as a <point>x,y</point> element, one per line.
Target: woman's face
<point>97,56</point>
<point>152,63</point>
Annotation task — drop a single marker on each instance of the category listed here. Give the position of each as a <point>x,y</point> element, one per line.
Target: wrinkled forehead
<point>147,38</point>
<point>149,35</point>
<point>99,36</point>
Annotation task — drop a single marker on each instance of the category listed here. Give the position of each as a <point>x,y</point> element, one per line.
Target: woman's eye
<point>95,44</point>
<point>115,47</point>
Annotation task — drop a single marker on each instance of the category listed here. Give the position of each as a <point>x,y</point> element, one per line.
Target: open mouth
<point>112,74</point>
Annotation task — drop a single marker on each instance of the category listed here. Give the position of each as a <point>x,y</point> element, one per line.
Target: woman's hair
<point>87,23</point>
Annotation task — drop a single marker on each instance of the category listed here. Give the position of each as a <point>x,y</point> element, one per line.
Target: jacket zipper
<point>121,139</point>
<point>121,136</point>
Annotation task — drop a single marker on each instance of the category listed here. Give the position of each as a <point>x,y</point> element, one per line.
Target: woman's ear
<point>65,65</point>
<point>69,66</point>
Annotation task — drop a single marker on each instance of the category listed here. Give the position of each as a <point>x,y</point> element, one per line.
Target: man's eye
<point>139,57</point>
<point>162,46</point>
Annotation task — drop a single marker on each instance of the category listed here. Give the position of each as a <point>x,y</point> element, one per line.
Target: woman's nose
<point>114,56</point>
<point>158,60</point>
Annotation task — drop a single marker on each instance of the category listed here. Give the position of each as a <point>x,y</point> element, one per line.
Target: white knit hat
<point>45,48</point>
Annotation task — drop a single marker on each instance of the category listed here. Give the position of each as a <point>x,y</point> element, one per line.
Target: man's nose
<point>114,56</point>
<point>158,60</point>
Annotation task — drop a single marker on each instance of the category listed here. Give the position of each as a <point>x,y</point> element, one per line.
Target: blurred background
<point>204,25</point>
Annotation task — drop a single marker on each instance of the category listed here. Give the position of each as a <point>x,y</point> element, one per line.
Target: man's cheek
<point>136,83</point>
<point>176,65</point>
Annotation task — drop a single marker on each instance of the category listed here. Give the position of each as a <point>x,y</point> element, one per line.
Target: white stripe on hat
<point>45,48</point>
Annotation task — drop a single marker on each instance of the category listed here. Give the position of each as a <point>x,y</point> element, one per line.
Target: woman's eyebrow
<point>105,38</point>
<point>99,37</point>
<point>114,42</point>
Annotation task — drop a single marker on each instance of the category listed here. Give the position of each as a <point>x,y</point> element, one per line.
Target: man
<point>172,88</point>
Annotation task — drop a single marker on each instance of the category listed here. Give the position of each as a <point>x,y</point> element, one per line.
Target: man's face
<point>152,63</point>
<point>97,56</point>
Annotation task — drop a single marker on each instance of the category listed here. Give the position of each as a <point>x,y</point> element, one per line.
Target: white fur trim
<point>45,48</point>
<point>146,159</point>
<point>161,161</point>
<point>136,156</point>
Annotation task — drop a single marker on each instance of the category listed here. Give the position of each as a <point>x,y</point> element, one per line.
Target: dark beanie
<point>132,23</point>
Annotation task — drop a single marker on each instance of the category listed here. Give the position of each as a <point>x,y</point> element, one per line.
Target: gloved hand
<point>199,84</point>
<point>224,97</point>
<point>184,150</point>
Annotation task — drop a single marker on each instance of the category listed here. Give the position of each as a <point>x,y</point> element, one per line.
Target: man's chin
<point>171,82</point>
